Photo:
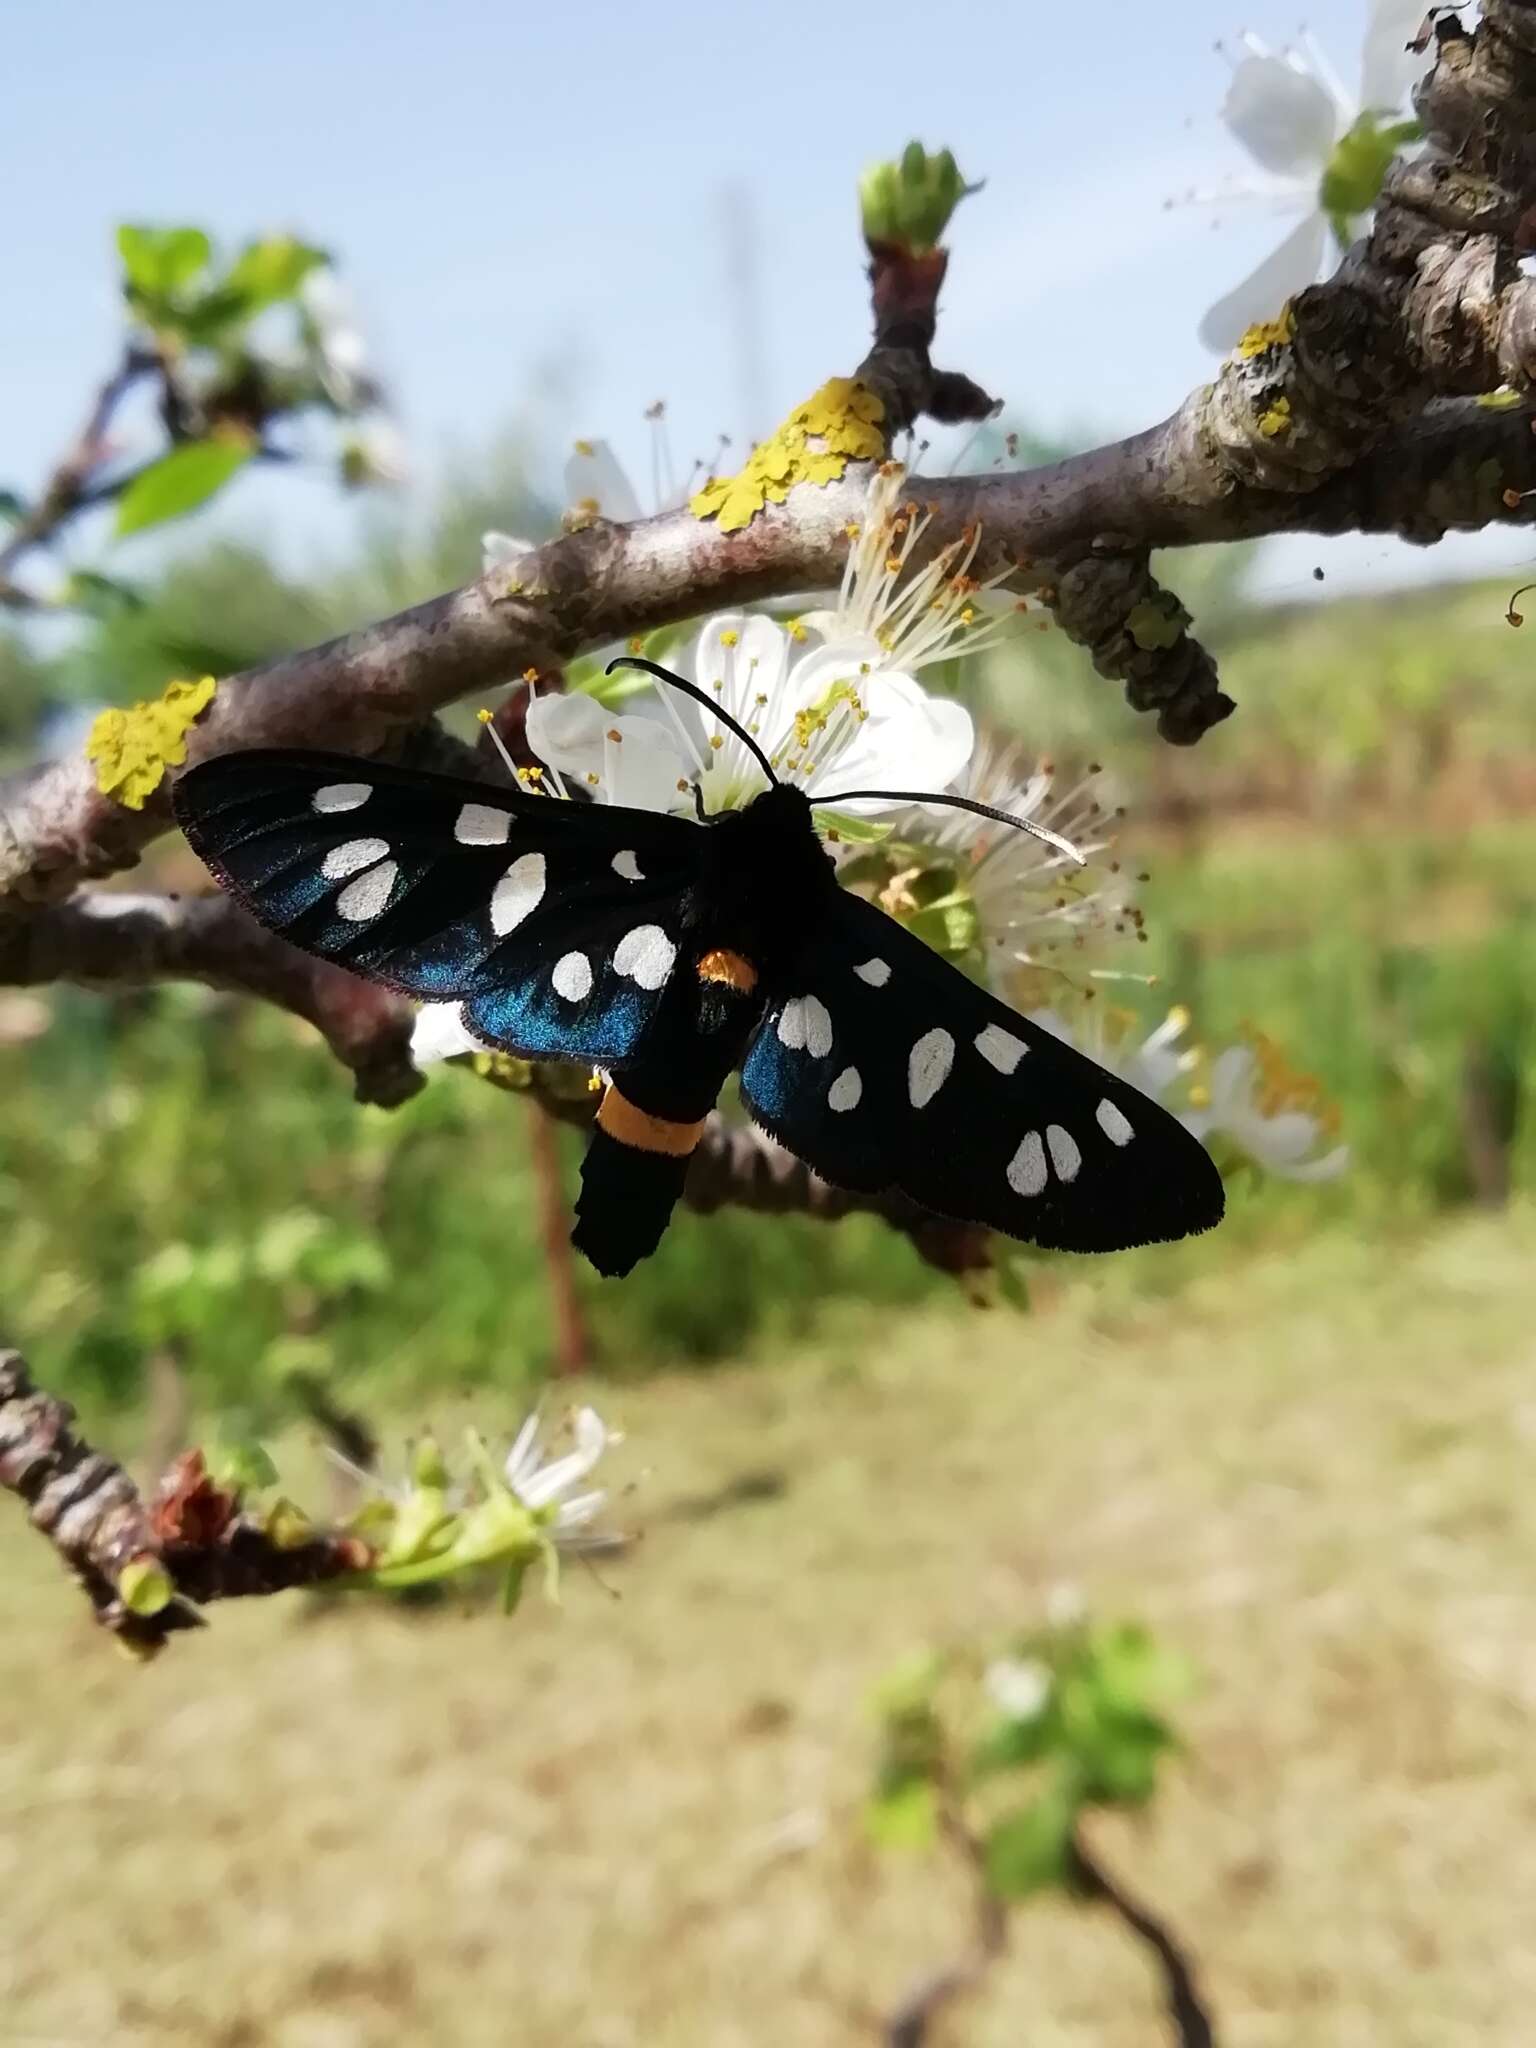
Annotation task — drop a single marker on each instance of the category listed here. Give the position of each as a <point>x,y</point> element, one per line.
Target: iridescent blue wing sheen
<point>881,1065</point>
<point>554,923</point>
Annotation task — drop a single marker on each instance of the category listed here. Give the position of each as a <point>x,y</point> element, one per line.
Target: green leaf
<point>1121,1767</point>
<point>1030,1850</point>
<point>179,482</point>
<point>12,506</point>
<point>1010,1744</point>
<point>239,1464</point>
<point>904,1815</point>
<point>854,831</point>
<point>104,597</point>
<point>952,926</point>
<point>908,1688</point>
<point>268,271</point>
<point>160,262</point>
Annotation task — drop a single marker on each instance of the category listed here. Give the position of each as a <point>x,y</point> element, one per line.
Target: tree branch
<point>106,939</point>
<point>1192,2023</point>
<point>193,1533</point>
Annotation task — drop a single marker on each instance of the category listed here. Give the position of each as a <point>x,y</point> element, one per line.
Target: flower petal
<point>439,1034</point>
<point>1387,66</point>
<point>497,549</point>
<point>1288,270</point>
<point>594,475</point>
<point>523,1458</point>
<point>643,767</point>
<point>580,1508</point>
<point>1284,117</point>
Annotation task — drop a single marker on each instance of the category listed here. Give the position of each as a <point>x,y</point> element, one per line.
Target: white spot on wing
<point>341,796</point>
<point>520,890</point>
<point>1026,1169</point>
<point>572,977</point>
<point>1065,1156</point>
<point>482,825</point>
<point>804,1026</point>
<point>845,1090</point>
<point>1114,1123</point>
<point>351,857</point>
<point>1000,1048</point>
<point>645,955</point>
<point>626,866</point>
<point>928,1066</point>
<point>367,896</point>
<point>875,972</point>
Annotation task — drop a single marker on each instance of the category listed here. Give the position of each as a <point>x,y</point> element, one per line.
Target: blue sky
<point>533,205</point>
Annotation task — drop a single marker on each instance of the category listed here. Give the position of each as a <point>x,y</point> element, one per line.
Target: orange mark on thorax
<point>730,968</point>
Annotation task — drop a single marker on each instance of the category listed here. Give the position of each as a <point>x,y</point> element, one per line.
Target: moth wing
<point>555,923</point>
<point>881,1065</point>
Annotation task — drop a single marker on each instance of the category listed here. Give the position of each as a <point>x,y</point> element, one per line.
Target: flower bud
<point>909,202</point>
<point>145,1587</point>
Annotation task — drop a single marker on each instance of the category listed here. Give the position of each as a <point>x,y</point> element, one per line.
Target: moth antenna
<point>665,675</point>
<point>960,803</point>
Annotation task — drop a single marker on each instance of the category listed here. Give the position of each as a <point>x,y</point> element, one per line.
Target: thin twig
<point>69,488</point>
<point>1192,2023</point>
<point>193,1532</point>
<point>909,2026</point>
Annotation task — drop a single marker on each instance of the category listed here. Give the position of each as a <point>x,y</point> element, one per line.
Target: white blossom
<point>1248,1100</point>
<point>1321,149</point>
<point>1039,913</point>
<point>1270,1115</point>
<point>1020,1687</point>
<point>828,718</point>
<point>543,1484</point>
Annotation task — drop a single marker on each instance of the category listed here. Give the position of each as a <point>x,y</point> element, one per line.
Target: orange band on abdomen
<point>646,1133</point>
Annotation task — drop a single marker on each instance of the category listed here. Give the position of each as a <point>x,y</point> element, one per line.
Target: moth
<point>668,953</point>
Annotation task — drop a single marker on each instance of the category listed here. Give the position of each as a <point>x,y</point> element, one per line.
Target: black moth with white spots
<point>669,953</point>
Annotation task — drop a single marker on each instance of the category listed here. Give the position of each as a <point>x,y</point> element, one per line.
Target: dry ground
<point>632,1823</point>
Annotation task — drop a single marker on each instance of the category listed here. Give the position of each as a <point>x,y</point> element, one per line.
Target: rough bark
<point>88,1508</point>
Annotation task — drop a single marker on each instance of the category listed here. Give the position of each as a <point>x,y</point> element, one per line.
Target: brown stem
<point>910,2024</point>
<point>1192,2023</point>
<point>67,489</point>
<point>88,1508</point>
<point>570,1328</point>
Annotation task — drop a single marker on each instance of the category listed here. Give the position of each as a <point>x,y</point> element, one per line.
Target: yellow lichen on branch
<point>1268,334</point>
<point>132,749</point>
<point>836,425</point>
